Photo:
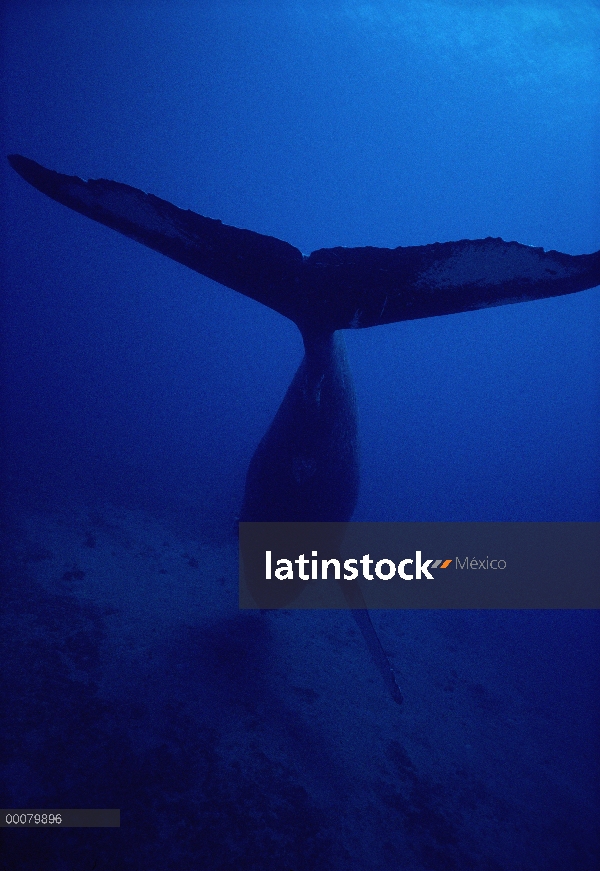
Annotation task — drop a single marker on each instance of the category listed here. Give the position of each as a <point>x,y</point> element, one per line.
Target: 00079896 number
<point>36,819</point>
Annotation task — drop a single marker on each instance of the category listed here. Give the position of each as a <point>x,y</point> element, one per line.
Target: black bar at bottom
<point>59,818</point>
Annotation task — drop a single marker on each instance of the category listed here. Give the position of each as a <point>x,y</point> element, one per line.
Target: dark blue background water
<point>131,379</point>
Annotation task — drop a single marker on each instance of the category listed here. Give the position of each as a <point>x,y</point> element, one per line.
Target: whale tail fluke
<point>332,288</point>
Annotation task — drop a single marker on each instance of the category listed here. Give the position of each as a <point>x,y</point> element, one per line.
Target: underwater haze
<point>135,391</point>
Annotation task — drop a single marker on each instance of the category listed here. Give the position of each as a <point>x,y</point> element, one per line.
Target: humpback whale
<point>306,466</point>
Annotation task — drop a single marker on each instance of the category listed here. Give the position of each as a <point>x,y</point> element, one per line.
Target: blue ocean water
<point>135,391</point>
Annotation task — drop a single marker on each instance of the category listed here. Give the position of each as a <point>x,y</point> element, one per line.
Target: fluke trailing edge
<point>306,466</point>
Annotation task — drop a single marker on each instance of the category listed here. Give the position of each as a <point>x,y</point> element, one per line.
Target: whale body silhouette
<point>306,466</point>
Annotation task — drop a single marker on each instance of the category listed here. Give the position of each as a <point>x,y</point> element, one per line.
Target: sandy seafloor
<point>241,740</point>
